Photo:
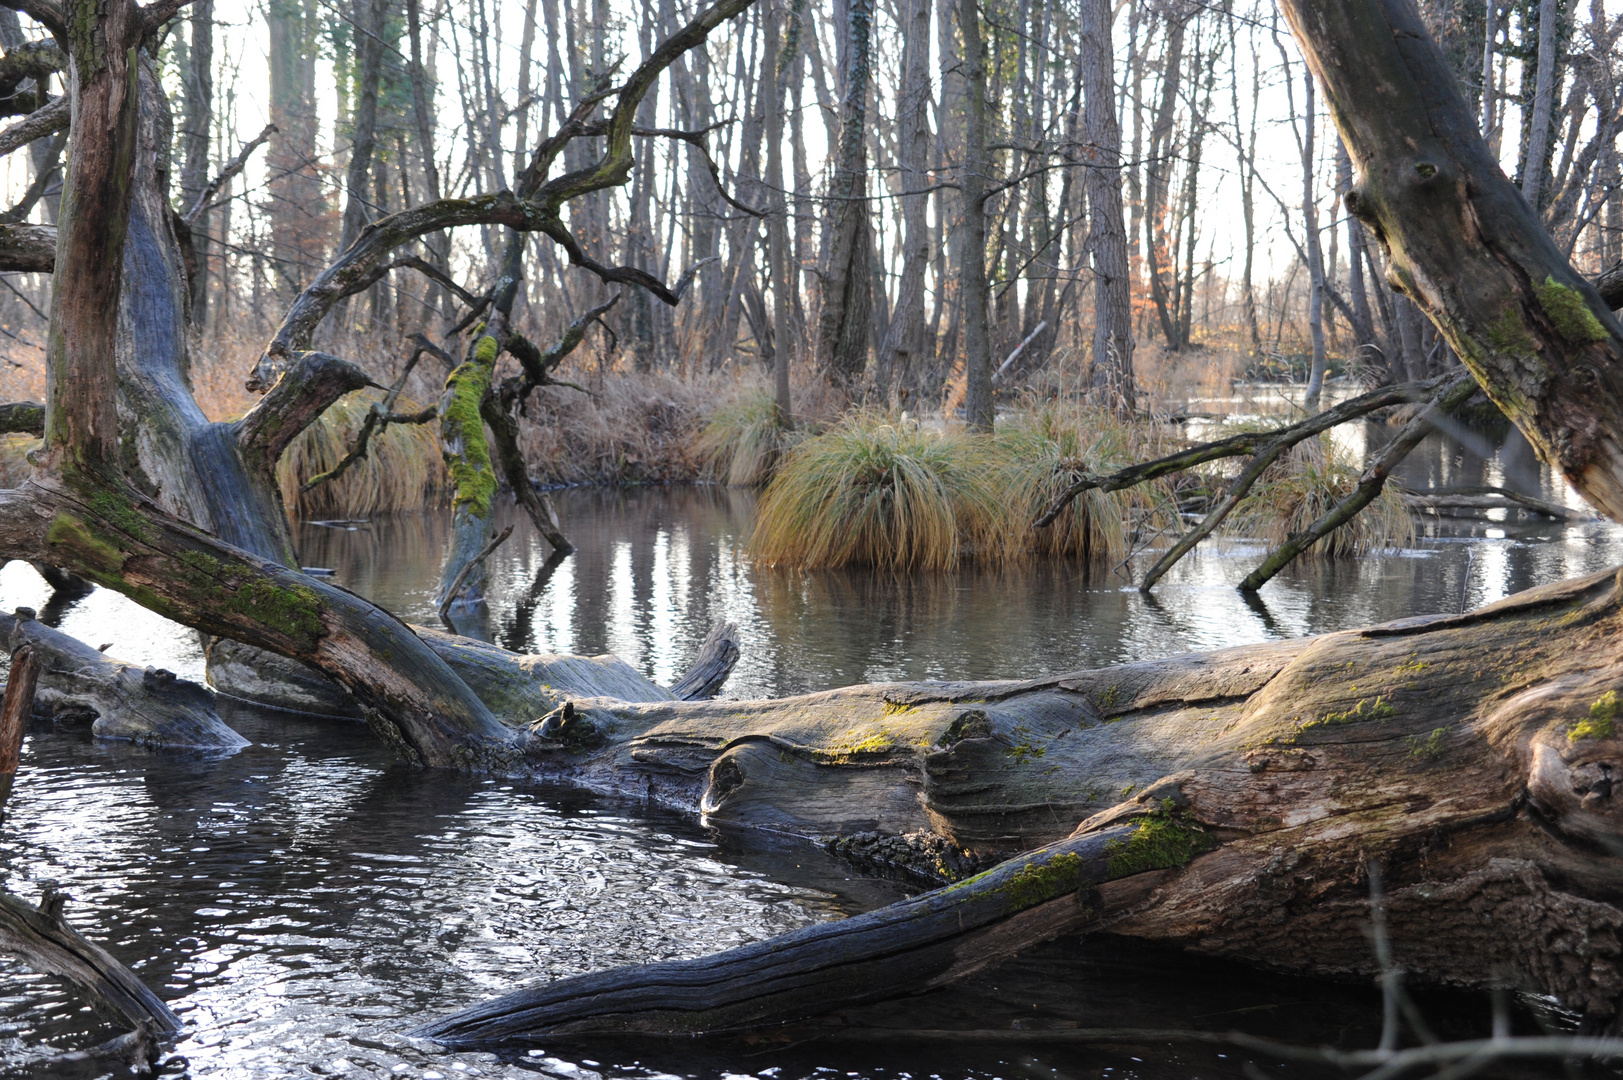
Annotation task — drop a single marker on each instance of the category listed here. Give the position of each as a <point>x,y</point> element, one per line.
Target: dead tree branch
<point>1451,396</point>
<point>205,198</point>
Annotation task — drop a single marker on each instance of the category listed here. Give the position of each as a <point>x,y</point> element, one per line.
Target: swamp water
<point>302,902</point>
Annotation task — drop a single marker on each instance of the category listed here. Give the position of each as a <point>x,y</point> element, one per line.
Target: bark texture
<point>1463,243</point>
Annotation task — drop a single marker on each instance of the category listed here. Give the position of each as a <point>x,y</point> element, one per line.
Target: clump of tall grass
<point>1303,485</point>
<point>876,492</point>
<point>403,469</point>
<point>1041,449</point>
<point>743,440</point>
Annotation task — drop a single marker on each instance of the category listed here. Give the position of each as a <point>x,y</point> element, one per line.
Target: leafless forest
<point>925,241</point>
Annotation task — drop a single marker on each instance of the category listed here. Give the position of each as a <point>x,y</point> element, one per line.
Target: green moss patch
<point>1601,723</point>
<point>1159,843</point>
<point>1569,312</point>
<point>1037,883</point>
<point>291,610</point>
<point>473,479</point>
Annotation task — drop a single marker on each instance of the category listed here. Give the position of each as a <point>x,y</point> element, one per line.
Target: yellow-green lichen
<point>1375,708</point>
<point>1569,312</point>
<point>467,456</point>
<point>1601,722</point>
<point>1160,842</point>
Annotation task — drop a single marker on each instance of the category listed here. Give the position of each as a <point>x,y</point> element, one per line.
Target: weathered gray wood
<point>148,706</point>
<point>43,940</point>
<point>1470,754</point>
<point>710,669</point>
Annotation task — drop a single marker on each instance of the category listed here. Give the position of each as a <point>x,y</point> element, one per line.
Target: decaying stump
<point>1227,801</point>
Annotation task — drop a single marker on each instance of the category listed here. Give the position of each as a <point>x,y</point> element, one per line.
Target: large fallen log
<point>1229,802</point>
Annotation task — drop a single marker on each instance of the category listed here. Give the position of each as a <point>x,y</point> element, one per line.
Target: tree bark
<point>1228,802</point>
<point>198,126</point>
<point>847,292</point>
<point>777,223</point>
<point>974,179</point>
<point>1465,245</point>
<point>1112,364</point>
<point>905,343</point>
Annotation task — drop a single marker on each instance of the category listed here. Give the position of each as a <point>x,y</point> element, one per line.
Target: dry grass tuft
<point>743,440</point>
<point>1042,448</point>
<point>874,492</point>
<point>1302,486</point>
<point>402,470</point>
<point>14,464</point>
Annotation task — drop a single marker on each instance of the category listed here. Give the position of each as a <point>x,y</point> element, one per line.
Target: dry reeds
<point>1302,486</point>
<point>14,464</point>
<point>873,492</point>
<point>402,470</point>
<point>1042,448</point>
<point>743,440</point>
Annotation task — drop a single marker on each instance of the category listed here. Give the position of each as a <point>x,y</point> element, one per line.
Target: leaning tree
<point>1230,802</point>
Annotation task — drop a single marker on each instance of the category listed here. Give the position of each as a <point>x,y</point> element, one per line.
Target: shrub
<point>743,440</point>
<point>1040,451</point>
<point>1302,486</point>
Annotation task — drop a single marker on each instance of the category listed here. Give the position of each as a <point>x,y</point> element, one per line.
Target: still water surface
<point>302,902</point>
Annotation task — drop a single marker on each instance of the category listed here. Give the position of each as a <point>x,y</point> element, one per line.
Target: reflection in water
<point>303,901</point>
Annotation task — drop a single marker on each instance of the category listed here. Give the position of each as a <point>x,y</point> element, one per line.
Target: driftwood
<point>148,706</point>
<point>1477,498</point>
<point>1237,797</point>
<point>47,944</point>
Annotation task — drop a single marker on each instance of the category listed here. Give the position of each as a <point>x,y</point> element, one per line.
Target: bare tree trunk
<point>1310,226</point>
<point>1538,145</point>
<point>1158,170</point>
<point>1363,322</point>
<point>777,225</point>
<point>979,407</point>
<point>904,345</point>
<point>368,19</point>
<point>1112,365</point>
<point>198,81</point>
<point>842,337</point>
<point>297,203</point>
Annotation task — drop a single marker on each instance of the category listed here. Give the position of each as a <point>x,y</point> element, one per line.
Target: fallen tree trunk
<point>1228,802</point>
<point>145,705</point>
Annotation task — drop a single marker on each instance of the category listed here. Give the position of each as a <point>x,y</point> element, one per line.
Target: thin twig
<point>456,586</point>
